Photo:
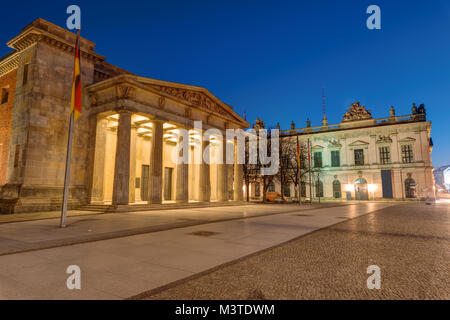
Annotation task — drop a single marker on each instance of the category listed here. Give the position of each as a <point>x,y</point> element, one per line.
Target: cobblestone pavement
<point>410,243</point>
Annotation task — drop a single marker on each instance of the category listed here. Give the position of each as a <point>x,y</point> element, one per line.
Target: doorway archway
<point>361,190</point>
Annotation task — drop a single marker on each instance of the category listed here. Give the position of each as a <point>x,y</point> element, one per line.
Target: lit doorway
<point>168,173</point>
<point>144,182</point>
<point>361,190</point>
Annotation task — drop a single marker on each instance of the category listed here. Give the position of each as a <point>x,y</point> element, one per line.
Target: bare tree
<point>250,171</point>
<point>296,172</point>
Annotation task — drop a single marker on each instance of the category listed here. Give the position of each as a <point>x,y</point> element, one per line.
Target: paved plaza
<point>410,244</point>
<point>254,251</point>
<point>126,266</point>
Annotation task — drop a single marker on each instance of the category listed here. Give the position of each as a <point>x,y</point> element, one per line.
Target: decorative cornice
<point>9,63</point>
<point>333,143</point>
<point>204,98</point>
<point>384,139</point>
<point>34,35</point>
<point>197,98</point>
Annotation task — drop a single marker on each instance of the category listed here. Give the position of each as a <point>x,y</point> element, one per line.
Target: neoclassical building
<point>363,158</point>
<point>123,141</point>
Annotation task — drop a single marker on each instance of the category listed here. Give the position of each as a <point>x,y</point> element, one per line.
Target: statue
<point>259,124</point>
<point>292,125</point>
<point>356,112</point>
<point>414,109</point>
<point>308,123</point>
<point>278,126</point>
<point>392,112</point>
<point>421,109</point>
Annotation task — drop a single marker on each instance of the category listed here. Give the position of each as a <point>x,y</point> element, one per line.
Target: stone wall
<point>7,81</point>
<point>39,130</point>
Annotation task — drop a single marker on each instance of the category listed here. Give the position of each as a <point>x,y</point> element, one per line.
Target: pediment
<point>317,147</point>
<point>358,143</point>
<point>196,96</point>
<point>407,139</point>
<point>190,96</point>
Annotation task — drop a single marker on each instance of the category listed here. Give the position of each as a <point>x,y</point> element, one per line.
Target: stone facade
<point>112,140</point>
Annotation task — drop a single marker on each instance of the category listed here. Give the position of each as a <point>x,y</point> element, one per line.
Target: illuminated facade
<point>363,158</point>
<point>122,142</point>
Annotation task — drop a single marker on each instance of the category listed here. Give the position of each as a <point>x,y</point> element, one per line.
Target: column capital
<point>124,111</point>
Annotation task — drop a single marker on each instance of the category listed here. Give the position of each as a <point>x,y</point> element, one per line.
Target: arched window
<point>336,189</point>
<point>319,189</point>
<point>410,188</point>
<point>361,181</point>
<point>361,190</point>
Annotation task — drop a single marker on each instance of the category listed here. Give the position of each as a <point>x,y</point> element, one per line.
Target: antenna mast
<point>324,121</point>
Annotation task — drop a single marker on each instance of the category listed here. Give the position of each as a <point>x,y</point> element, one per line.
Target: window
<point>318,159</point>
<point>319,189</point>
<point>385,155</point>
<point>407,154</point>
<point>5,94</point>
<point>25,74</point>
<point>335,158</point>
<point>271,187</point>
<point>359,157</point>
<point>303,189</point>
<point>336,189</point>
<point>285,161</point>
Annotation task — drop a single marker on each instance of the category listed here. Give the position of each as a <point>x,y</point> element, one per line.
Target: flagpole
<point>298,173</point>
<point>310,178</point>
<point>67,175</point>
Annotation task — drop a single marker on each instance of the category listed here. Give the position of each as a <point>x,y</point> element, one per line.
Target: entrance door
<point>361,192</point>
<point>144,182</point>
<point>386,182</point>
<point>168,183</point>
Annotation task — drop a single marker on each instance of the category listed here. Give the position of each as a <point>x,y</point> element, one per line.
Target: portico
<point>140,127</point>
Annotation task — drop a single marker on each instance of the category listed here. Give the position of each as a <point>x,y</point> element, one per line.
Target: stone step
<point>150,207</point>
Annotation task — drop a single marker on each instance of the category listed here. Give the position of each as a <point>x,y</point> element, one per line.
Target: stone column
<point>99,160</point>
<point>238,181</point>
<point>121,186</point>
<point>222,171</point>
<point>395,156</point>
<point>343,153</point>
<point>133,164</point>
<point>156,162</point>
<point>182,185</point>
<point>204,179</point>
<point>372,149</point>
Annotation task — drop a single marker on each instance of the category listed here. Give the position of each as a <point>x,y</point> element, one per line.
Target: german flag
<point>298,154</point>
<point>75,103</point>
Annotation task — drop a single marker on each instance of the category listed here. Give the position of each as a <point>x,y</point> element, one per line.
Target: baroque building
<point>363,158</point>
<point>122,142</point>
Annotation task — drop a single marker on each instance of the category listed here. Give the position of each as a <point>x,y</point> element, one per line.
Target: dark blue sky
<point>271,58</point>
